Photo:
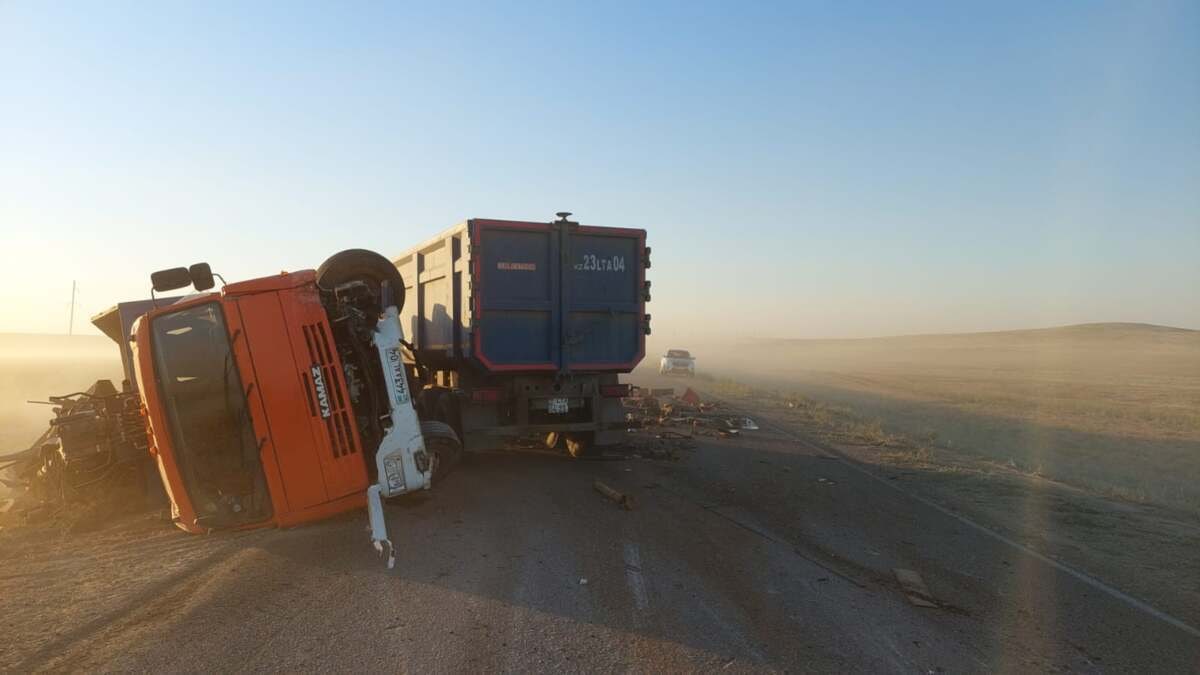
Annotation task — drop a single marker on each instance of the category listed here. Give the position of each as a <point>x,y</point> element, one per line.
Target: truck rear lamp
<point>614,390</point>
<point>487,395</point>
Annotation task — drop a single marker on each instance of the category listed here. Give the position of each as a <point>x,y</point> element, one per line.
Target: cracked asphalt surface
<point>751,554</point>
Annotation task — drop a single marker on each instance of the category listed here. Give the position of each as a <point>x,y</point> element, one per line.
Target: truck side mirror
<point>169,280</point>
<point>201,276</point>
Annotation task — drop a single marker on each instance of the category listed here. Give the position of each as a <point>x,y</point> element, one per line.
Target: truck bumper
<point>523,411</point>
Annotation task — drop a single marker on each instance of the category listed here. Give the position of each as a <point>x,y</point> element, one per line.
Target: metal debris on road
<point>656,447</point>
<point>619,497</point>
<point>657,408</point>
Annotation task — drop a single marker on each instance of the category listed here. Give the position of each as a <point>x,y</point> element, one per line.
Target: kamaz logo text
<point>322,394</point>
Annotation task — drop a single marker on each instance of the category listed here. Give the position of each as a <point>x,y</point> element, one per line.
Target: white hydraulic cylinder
<point>403,464</point>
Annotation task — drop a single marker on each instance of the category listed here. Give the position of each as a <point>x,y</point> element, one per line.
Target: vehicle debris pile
<point>661,423</point>
<point>93,456</point>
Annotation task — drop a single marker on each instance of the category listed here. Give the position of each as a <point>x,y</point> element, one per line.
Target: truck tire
<point>443,443</point>
<point>426,402</point>
<point>448,411</point>
<point>359,264</point>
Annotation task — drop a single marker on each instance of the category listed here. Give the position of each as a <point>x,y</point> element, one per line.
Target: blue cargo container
<point>518,316</point>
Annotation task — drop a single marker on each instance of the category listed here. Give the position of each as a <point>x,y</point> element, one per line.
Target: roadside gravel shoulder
<point>1144,550</point>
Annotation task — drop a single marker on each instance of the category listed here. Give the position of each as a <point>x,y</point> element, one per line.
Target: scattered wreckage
<point>95,449</point>
<point>660,407</point>
<point>660,415</point>
<point>93,458</point>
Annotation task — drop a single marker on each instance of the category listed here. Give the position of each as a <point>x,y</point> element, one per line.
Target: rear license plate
<point>557,406</point>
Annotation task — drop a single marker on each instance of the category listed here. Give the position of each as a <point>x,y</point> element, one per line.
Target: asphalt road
<point>761,553</point>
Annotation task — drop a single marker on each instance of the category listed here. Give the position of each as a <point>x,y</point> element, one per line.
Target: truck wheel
<point>443,444</point>
<point>426,402</point>
<point>359,264</point>
<point>448,411</point>
<point>582,444</point>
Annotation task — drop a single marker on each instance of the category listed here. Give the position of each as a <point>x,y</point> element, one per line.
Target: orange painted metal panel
<point>278,382</point>
<point>256,407</point>
<point>331,417</point>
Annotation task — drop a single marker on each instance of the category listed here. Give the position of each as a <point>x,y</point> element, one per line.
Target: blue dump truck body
<point>510,318</point>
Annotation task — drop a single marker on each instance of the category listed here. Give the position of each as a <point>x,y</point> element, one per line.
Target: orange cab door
<point>278,379</point>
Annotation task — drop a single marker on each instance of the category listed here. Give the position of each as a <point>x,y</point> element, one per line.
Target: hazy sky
<point>804,170</point>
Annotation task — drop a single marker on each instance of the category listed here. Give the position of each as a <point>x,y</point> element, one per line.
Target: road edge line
<point>1078,574</point>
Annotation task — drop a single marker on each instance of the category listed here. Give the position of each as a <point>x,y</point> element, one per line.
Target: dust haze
<point>1112,407</point>
<point>33,367</point>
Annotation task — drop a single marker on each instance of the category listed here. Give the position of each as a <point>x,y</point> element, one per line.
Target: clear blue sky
<point>834,169</point>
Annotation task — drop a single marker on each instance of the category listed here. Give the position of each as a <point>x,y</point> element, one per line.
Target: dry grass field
<point>1113,408</point>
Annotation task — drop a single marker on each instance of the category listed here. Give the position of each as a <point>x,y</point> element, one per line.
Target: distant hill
<point>1106,346</point>
<point>1114,326</point>
<point>1077,352</point>
<point>1109,331</point>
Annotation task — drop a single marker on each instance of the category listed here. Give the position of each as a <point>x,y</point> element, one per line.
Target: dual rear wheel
<point>439,413</point>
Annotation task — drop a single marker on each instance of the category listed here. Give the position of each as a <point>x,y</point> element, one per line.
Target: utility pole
<point>71,326</point>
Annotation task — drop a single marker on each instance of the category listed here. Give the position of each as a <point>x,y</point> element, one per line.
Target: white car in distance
<point>677,362</point>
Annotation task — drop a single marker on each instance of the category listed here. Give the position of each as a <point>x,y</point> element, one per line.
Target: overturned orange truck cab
<point>283,400</point>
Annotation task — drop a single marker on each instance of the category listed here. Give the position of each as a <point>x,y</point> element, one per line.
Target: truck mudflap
<point>403,464</point>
